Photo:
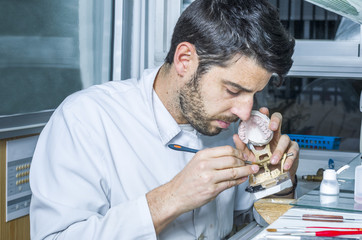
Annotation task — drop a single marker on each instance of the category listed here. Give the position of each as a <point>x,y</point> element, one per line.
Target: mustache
<point>228,118</point>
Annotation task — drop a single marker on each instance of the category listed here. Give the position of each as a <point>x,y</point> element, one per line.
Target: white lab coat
<point>103,149</point>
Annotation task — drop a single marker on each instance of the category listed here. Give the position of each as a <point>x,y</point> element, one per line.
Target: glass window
<point>309,21</point>
<point>317,106</point>
<point>321,97</point>
<point>305,20</point>
<point>185,4</point>
<point>50,49</point>
<point>328,44</point>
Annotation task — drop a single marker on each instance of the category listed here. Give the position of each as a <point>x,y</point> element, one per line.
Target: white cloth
<point>102,150</point>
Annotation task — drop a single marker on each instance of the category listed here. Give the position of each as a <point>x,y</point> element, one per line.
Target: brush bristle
<point>271,230</point>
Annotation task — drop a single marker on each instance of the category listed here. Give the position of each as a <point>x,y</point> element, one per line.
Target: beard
<point>193,108</point>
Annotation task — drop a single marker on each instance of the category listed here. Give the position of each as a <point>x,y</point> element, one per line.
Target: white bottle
<point>329,184</point>
<point>358,184</point>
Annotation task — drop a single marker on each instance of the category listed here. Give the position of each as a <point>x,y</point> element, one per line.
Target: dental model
<point>255,132</point>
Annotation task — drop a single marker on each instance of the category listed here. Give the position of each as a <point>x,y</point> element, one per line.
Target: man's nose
<point>242,108</point>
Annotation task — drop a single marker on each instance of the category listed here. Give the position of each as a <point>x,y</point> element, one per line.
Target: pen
<point>178,147</point>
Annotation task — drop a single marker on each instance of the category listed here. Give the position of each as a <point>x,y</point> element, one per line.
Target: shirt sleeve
<point>244,200</point>
<point>71,192</point>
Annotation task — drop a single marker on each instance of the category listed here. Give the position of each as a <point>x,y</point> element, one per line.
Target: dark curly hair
<point>220,29</point>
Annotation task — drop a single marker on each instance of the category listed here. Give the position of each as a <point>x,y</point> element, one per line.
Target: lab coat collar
<point>166,124</point>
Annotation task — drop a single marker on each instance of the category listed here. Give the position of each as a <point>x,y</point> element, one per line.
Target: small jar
<point>329,184</point>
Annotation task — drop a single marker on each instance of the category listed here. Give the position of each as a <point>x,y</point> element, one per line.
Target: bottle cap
<point>329,174</point>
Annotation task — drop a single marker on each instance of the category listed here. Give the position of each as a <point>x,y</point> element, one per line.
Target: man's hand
<point>209,172</point>
<point>279,145</point>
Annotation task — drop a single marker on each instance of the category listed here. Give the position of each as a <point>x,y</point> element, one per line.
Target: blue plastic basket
<point>316,142</point>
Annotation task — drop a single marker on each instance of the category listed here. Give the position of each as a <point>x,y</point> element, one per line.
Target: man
<point>102,168</point>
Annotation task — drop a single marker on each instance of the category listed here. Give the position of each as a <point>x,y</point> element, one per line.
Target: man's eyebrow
<point>235,85</point>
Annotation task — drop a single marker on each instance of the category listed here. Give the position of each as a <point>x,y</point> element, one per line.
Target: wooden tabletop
<point>270,209</point>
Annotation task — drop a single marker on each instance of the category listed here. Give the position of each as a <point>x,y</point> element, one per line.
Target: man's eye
<point>232,92</point>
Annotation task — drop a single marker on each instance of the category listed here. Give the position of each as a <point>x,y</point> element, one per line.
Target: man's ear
<point>185,58</point>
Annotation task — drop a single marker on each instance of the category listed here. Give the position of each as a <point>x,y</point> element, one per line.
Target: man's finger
<point>264,111</point>
<point>235,173</point>
<point>219,152</point>
<point>247,155</point>
<point>225,162</point>
<point>281,148</point>
<point>276,122</point>
<point>293,159</point>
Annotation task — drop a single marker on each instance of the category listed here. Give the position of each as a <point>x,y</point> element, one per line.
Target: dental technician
<point>102,168</point>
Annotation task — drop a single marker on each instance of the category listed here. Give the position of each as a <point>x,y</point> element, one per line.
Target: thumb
<point>241,146</point>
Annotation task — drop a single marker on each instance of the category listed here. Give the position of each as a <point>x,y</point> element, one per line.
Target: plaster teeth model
<point>255,132</point>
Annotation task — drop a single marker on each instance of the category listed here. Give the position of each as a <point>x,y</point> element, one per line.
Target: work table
<point>271,210</point>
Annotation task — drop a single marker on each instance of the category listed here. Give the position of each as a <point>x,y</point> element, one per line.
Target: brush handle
<point>182,148</point>
<point>191,150</point>
<point>332,233</point>
<point>322,218</point>
<point>344,228</point>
